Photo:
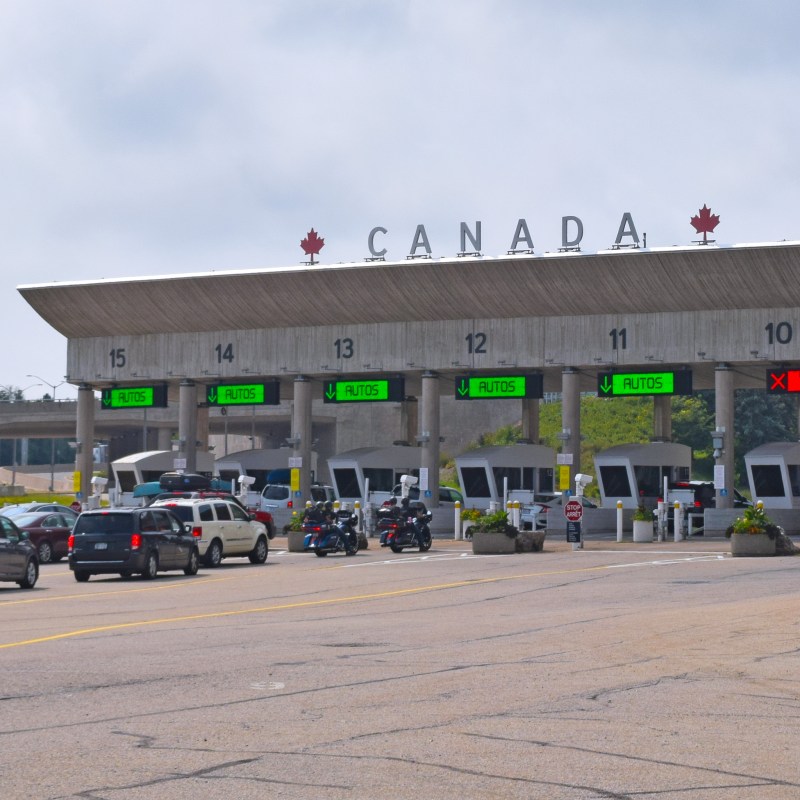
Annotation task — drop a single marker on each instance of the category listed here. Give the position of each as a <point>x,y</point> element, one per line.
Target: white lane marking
<point>664,561</point>
<point>267,686</point>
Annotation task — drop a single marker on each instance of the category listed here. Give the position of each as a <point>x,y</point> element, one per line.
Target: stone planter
<point>295,539</point>
<point>752,544</point>
<point>530,541</point>
<point>493,543</point>
<point>642,530</point>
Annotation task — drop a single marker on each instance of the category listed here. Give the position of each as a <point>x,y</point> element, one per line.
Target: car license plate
<point>101,546</point>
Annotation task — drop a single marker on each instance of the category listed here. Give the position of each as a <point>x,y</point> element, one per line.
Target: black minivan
<point>130,540</point>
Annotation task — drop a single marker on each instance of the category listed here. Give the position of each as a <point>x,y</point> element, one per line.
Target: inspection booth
<point>773,473</point>
<point>505,472</point>
<point>263,465</point>
<point>149,466</point>
<point>635,473</point>
<point>373,469</point>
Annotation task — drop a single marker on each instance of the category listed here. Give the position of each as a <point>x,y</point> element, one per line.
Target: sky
<point>147,138</point>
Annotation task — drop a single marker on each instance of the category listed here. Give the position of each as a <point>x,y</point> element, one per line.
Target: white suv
<point>222,529</point>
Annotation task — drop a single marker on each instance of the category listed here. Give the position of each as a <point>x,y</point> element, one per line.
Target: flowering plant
<point>471,514</point>
<point>643,514</point>
<point>754,520</point>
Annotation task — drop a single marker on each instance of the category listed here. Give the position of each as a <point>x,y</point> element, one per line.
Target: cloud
<point>143,138</point>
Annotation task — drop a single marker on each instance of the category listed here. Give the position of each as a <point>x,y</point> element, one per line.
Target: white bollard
<point>619,520</point>
<point>678,522</point>
<point>458,520</point>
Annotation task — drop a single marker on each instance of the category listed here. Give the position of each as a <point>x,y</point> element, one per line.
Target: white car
<point>222,529</point>
<point>276,498</point>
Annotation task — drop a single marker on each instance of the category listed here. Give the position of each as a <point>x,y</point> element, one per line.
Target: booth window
<point>767,480</point>
<point>346,482</point>
<point>380,480</point>
<point>476,482</point>
<point>794,478</point>
<point>126,480</point>
<point>615,482</point>
<point>518,478</point>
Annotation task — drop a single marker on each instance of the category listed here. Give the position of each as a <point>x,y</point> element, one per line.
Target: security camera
<point>246,480</point>
<point>98,481</point>
<point>408,480</point>
<point>583,480</point>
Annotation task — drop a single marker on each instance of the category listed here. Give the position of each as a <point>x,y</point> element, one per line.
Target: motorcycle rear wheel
<point>424,547</point>
<point>321,553</point>
<point>396,548</point>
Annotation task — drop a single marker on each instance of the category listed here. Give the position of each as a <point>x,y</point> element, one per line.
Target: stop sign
<point>573,510</point>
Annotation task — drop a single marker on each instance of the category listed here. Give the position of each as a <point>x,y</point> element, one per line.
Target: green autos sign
<point>498,387</point>
<point>626,384</point>
<point>135,397</point>
<point>380,390</point>
<point>244,394</point>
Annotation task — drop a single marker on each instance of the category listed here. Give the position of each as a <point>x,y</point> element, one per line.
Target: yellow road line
<point>290,606</point>
<point>89,595</point>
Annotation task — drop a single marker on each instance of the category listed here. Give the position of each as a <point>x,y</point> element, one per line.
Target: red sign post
<point>573,510</point>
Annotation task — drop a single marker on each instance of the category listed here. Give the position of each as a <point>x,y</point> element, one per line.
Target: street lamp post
<point>53,386</point>
<point>14,441</point>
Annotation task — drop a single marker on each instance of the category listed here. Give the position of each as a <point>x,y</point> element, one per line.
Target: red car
<point>48,532</point>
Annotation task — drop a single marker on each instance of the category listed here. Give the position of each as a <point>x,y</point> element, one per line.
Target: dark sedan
<point>18,560</point>
<point>49,531</point>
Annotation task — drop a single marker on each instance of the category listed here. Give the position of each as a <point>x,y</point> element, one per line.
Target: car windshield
<point>23,520</point>
<point>14,511</point>
<point>104,523</point>
<point>275,492</point>
<point>184,512</point>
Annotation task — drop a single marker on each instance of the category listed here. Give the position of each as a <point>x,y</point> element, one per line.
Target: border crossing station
<point>410,351</point>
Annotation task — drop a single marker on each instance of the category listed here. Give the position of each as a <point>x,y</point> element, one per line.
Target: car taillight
<point>289,504</point>
<point>698,504</point>
<point>136,541</point>
<point>71,542</point>
<point>197,532</point>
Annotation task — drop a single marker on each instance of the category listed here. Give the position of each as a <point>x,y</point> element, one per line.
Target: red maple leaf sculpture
<point>312,244</point>
<point>705,222</point>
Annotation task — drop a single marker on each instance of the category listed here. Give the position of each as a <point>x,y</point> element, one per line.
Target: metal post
<point>619,520</point>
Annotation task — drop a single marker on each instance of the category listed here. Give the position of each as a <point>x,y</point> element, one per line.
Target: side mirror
<point>24,535</point>
<point>187,529</point>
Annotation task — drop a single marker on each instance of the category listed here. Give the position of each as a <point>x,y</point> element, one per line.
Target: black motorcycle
<point>415,532</point>
<point>336,537</point>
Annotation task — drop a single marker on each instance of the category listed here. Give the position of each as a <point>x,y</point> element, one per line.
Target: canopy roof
<point>559,284</point>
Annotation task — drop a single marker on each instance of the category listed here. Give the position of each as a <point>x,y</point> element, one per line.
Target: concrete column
<point>723,399</point>
<point>187,423</point>
<point>409,420</point>
<point>23,451</point>
<point>530,420</point>
<point>429,431</point>
<point>571,420</point>
<point>84,436</point>
<point>662,418</point>
<point>202,426</point>
<point>301,435</point>
<point>164,439</point>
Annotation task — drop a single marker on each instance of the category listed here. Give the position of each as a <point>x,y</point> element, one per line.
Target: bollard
<point>357,511</point>
<point>619,520</point>
<point>678,522</point>
<point>458,534</point>
<point>515,514</point>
